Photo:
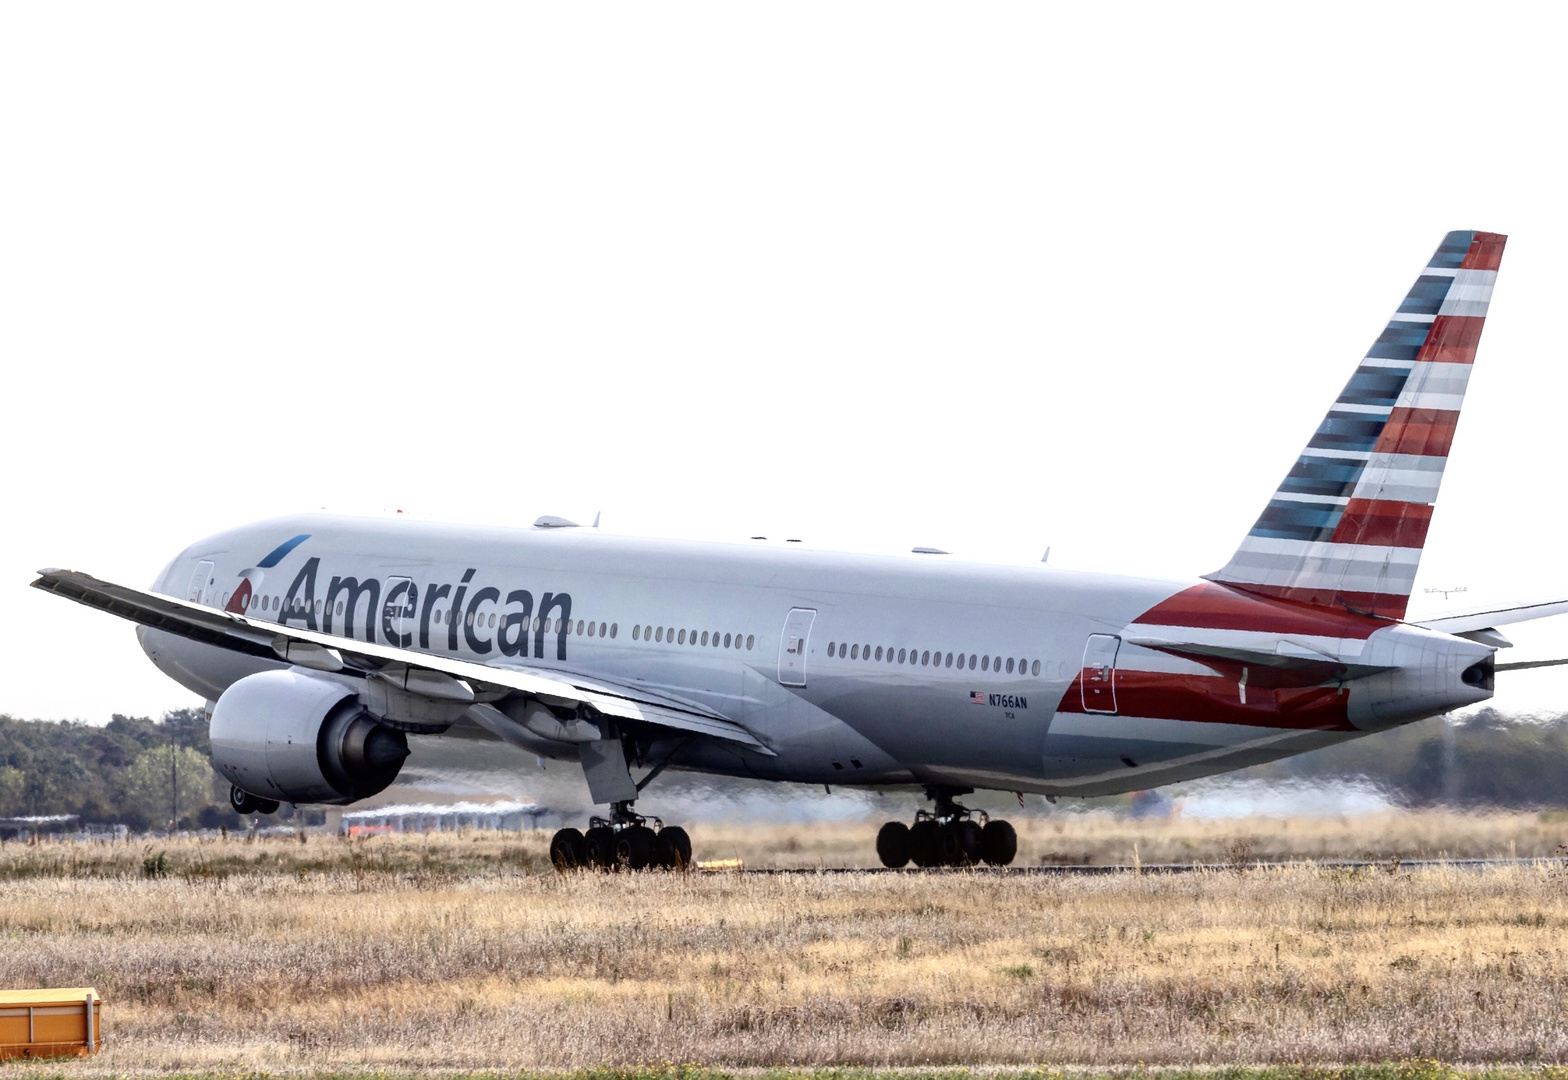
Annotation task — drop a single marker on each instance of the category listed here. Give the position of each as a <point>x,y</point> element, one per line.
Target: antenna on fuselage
<point>1047,556</point>
<point>596,514</point>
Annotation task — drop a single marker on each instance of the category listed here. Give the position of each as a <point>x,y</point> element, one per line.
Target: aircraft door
<point>398,606</point>
<point>1098,679</point>
<point>792,646</point>
<point>202,582</point>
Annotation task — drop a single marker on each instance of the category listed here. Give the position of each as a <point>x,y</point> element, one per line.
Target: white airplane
<point>323,642</point>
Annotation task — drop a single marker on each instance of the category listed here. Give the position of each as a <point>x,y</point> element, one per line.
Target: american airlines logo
<point>1001,701</point>
<point>486,622</point>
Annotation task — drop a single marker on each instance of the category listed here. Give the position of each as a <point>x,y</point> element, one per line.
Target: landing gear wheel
<point>267,806</point>
<point>567,851</point>
<point>968,836</point>
<point>243,802</point>
<point>636,846</point>
<point>893,845</point>
<point>998,843</point>
<point>923,850</point>
<point>599,847</point>
<point>674,848</point>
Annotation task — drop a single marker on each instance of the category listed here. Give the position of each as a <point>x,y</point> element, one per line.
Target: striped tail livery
<point>1346,527</point>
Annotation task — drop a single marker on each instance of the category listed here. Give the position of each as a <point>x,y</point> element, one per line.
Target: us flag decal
<point>976,698</point>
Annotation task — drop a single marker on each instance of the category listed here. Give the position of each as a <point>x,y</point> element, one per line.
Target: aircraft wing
<point>326,652</point>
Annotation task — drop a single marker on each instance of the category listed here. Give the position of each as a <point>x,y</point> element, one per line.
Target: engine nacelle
<point>299,738</point>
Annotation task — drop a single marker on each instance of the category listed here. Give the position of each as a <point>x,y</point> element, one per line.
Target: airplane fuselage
<point>852,669</point>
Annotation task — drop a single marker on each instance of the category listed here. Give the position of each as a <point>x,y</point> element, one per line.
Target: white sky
<point>874,275</point>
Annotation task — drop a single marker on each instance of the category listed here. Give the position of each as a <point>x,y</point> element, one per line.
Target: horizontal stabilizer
<point>1296,665</point>
<point>1467,621</point>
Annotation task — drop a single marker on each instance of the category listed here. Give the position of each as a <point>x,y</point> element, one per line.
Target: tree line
<point>132,771</point>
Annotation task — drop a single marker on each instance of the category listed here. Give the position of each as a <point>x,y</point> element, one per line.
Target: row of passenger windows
<point>927,658</point>
<point>691,637</point>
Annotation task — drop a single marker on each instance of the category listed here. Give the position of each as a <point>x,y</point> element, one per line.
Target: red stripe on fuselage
<point>1216,699</point>
<point>1383,523</point>
<point>1486,251</point>
<point>1259,607</point>
<point>1356,604</point>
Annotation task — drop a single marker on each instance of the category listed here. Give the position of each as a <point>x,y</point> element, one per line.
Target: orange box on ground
<point>50,1023</point>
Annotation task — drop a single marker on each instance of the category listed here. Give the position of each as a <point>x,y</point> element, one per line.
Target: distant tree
<point>148,785</point>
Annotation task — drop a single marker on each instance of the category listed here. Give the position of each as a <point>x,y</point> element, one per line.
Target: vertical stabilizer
<point>1346,527</point>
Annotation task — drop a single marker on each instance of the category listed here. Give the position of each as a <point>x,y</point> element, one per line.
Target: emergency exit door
<point>792,646</point>
<point>1097,682</point>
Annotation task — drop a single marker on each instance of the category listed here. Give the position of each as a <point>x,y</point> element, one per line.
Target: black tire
<point>636,846</point>
<point>893,845</point>
<point>243,802</point>
<point>599,848</point>
<point>567,850</point>
<point>674,848</point>
<point>949,848</point>
<point>923,850</point>
<point>267,806</point>
<point>998,843</point>
<point>968,834</point>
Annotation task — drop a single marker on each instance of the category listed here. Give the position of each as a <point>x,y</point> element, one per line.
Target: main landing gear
<point>949,835</point>
<point>624,839</point>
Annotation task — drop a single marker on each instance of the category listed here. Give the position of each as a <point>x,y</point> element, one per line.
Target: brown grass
<point>466,952</point>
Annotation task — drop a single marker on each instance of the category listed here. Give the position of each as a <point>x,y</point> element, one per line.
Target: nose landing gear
<point>624,839</point>
<point>948,835</point>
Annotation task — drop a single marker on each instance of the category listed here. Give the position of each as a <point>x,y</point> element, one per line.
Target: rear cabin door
<point>397,612</point>
<point>1098,680</point>
<point>792,646</point>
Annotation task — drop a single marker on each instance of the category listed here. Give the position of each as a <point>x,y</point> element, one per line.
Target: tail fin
<point>1346,527</point>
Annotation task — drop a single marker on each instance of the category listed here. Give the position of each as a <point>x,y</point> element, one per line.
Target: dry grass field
<point>466,952</point>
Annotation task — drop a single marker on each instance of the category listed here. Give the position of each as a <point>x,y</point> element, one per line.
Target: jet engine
<point>292,736</point>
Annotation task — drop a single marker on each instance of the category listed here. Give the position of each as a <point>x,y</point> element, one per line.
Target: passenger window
<point>949,660</point>
<point>683,638</point>
<point>985,663</point>
<point>879,652</point>
<point>900,656</point>
<point>1034,669</point>
<point>658,634</point>
<point>636,633</point>
<point>1009,665</point>
<point>751,640</point>
<point>726,641</point>
<point>925,658</point>
<point>854,652</point>
<point>832,649</point>
<point>613,628</point>
<point>704,637</point>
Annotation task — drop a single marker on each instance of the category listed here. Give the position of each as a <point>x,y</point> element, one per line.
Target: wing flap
<point>273,641</point>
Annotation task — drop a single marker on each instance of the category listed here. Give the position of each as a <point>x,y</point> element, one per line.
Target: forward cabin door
<point>792,646</point>
<point>1098,679</point>
<point>202,583</point>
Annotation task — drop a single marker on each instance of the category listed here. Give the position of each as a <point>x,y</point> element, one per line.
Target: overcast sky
<point>985,277</point>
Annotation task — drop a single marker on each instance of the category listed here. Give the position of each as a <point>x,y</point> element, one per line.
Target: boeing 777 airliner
<point>322,642</point>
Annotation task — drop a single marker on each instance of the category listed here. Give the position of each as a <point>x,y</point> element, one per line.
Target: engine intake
<point>300,738</point>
